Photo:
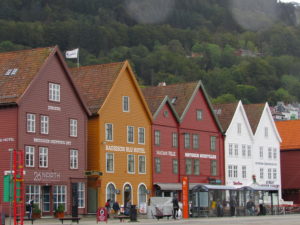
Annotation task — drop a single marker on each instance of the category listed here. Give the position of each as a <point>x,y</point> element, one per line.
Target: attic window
<point>173,100</point>
<point>218,111</point>
<point>11,72</point>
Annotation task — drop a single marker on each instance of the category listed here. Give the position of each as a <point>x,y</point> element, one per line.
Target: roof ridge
<point>28,50</point>
<point>97,65</point>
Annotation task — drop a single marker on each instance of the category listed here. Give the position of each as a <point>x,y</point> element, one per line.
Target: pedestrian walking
<point>232,204</point>
<point>107,206</point>
<point>250,207</point>
<point>175,207</point>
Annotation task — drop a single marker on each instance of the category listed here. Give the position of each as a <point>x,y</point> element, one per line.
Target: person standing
<point>175,207</point>
<point>232,206</point>
<point>250,207</point>
<point>107,206</point>
<point>30,208</point>
<point>116,207</point>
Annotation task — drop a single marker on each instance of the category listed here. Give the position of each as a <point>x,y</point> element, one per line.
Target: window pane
<point>142,164</point>
<point>188,166</point>
<point>157,165</point>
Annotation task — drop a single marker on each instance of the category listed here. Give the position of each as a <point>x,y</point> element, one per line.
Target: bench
<point>69,218</point>
<point>27,219</point>
<point>122,217</point>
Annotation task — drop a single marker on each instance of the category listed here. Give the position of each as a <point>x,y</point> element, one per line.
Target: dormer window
<point>173,101</point>
<point>11,72</point>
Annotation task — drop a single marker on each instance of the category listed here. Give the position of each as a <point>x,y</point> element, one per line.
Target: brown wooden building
<point>42,113</point>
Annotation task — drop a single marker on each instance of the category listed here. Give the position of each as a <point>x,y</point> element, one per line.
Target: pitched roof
<point>225,113</point>
<point>290,134</point>
<point>96,81</point>
<point>153,102</point>
<point>254,113</point>
<point>26,65</point>
<point>180,94</point>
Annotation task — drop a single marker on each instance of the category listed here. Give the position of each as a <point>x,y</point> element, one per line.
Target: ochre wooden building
<point>119,135</point>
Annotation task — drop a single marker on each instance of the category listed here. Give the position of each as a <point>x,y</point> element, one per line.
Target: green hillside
<point>240,49</point>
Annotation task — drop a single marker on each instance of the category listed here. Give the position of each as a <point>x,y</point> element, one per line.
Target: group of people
<point>116,208</point>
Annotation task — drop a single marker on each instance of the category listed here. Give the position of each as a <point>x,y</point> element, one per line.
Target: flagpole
<point>78,59</point>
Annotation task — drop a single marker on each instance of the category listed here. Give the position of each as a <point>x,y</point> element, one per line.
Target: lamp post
<point>10,184</point>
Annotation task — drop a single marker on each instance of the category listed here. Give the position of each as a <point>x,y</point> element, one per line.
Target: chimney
<point>162,84</point>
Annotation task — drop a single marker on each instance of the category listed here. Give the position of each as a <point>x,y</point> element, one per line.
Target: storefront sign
<point>8,139</point>
<point>54,108</point>
<point>203,156</point>
<point>124,149</point>
<point>237,183</point>
<point>265,164</point>
<point>101,214</point>
<point>185,197</point>
<point>168,153</point>
<point>55,142</point>
<point>46,176</point>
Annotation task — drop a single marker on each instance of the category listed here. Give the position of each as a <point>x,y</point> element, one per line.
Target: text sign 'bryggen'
<point>124,149</point>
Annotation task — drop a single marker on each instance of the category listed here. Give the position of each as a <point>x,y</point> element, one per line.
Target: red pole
<point>185,197</point>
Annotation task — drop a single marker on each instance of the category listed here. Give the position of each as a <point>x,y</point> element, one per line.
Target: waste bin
<point>133,213</point>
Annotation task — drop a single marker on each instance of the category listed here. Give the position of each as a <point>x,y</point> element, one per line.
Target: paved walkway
<point>255,220</point>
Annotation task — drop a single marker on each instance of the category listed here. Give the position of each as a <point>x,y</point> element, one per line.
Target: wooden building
<point>42,113</point>
<point>119,135</point>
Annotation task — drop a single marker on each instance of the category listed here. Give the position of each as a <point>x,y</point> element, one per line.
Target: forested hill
<point>240,49</point>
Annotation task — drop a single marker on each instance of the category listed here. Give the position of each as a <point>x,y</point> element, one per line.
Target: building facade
<point>47,119</point>
<point>119,135</point>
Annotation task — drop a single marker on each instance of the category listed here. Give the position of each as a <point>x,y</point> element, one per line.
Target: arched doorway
<point>142,195</point>
<point>111,192</point>
<point>127,194</point>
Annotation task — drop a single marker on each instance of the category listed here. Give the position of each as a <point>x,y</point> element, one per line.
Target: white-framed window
<point>239,128</point>
<point>175,166</point>
<point>29,156</point>
<point>187,141</point>
<point>236,150</point>
<point>249,150</point>
<point>142,194</point>
<point>43,157</point>
<point>213,167</point>
<point>125,103</point>
<point>142,164</point>
<point>141,135</point>
<point>54,92</point>
<point>213,142</point>
<point>81,195</point>
<point>196,167</point>
<point>235,171</point>
<point>229,170</point>
<point>230,150</point>
<point>274,153</point>
<point>73,159</point>
<point>108,132</point>
<point>33,192</point>
<point>73,128</point>
<point>266,132</point>
<point>44,124</point>
<point>195,141</point>
<point>174,139</point>
<point>130,134</point>
<point>157,165</point>
<point>111,192</point>
<point>157,137</point>
<point>244,150</point>
<point>270,153</point>
<point>59,196</point>
<point>261,152</point>
<point>130,163</point>
<point>244,172</point>
<point>199,114</point>
<point>188,166</point>
<point>109,162</point>
<point>261,173</point>
<point>30,123</point>
<point>274,173</point>
<point>269,173</point>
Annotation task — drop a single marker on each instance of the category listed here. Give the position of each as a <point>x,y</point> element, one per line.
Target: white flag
<point>72,54</point>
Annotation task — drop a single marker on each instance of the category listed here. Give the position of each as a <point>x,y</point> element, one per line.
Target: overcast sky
<point>290,1</point>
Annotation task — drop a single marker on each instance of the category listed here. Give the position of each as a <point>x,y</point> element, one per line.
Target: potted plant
<point>36,212</point>
<point>60,211</point>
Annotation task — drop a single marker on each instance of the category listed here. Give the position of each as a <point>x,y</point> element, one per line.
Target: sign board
<point>185,197</point>
<point>101,215</point>
<point>143,208</point>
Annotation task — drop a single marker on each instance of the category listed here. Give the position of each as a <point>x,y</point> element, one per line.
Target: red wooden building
<point>290,157</point>
<point>42,113</point>
<point>199,136</point>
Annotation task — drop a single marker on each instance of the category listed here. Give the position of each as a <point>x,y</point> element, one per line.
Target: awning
<point>207,187</point>
<point>173,186</point>
<point>258,188</point>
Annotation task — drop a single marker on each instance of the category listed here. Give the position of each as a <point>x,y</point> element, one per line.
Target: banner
<point>72,54</point>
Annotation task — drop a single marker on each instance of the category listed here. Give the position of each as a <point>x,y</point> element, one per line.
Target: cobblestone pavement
<point>257,220</point>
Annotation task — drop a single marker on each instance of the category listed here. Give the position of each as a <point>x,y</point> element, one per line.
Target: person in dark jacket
<point>175,207</point>
<point>232,204</point>
<point>116,207</point>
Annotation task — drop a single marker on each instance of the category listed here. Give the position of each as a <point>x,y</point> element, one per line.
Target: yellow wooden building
<point>119,135</point>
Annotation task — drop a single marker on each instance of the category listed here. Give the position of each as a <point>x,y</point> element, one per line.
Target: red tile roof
<point>225,113</point>
<point>254,113</point>
<point>181,93</point>
<point>290,134</point>
<point>95,82</point>
<point>153,102</point>
<point>28,63</point>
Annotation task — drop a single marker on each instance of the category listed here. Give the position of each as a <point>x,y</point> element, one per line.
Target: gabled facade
<point>165,154</point>
<point>266,148</point>
<point>119,135</point>
<point>238,145</point>
<point>290,156</point>
<point>200,138</point>
<point>42,113</point>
